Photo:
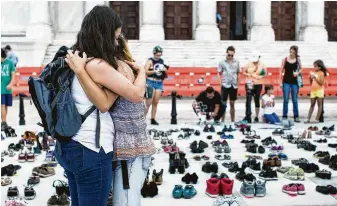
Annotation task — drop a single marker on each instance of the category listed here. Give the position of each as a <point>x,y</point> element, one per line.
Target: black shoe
<point>321,141</point>
<point>197,133</point>
<point>325,160</point>
<point>321,154</point>
<point>222,176</point>
<point>268,175</point>
<point>297,120</point>
<point>333,165</point>
<point>149,189</point>
<point>332,145</point>
<point>252,149</point>
<point>250,177</point>
<point>261,149</point>
<point>240,175</point>
<point>256,167</point>
<point>326,189</point>
<point>209,128</point>
<point>157,177</point>
<point>234,167</point>
<point>12,193</point>
<point>207,167</point>
<point>323,174</point>
<point>267,139</point>
<point>309,168</point>
<point>187,178</point>
<point>247,141</point>
<point>248,119</point>
<point>154,122</point>
<point>202,144</point>
<point>215,167</point>
<point>256,119</point>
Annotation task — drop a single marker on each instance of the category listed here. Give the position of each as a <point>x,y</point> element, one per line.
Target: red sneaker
<point>226,186</point>
<point>213,187</point>
<point>22,157</point>
<point>290,189</point>
<point>300,189</point>
<point>30,157</point>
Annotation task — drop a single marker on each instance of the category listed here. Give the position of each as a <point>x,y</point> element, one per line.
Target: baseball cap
<point>255,56</point>
<point>157,49</point>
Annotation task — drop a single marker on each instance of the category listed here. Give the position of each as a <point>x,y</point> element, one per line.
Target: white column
<point>261,28</point>
<point>314,28</point>
<point>207,29</point>
<point>89,5</point>
<point>39,28</point>
<point>151,18</point>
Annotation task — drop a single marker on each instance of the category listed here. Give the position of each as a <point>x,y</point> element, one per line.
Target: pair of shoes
<point>154,122</point>
<point>216,186</point>
<point>299,161</point>
<point>269,142</point>
<point>188,192</point>
<point>29,193</point>
<point>278,132</point>
<point>198,147</point>
<point>253,188</point>
<point>190,178</point>
<point>9,170</point>
<point>295,174</point>
<point>224,136</point>
<point>272,162</point>
<point>55,200</point>
<point>198,158</point>
<point>208,167</point>
<point>280,155</point>
<point>311,128</point>
<point>323,174</point>
<point>329,189</point>
<point>149,189</point>
<point>209,128</point>
<point>222,149</point>
<point>242,175</point>
<point>254,149</point>
<point>222,157</point>
<point>294,189</point>
<point>331,128</point>
<point>178,162</point>
<point>228,129</point>
<point>255,167</point>
<point>26,157</point>
<point>277,148</point>
<point>268,174</point>
<point>226,201</point>
<point>321,141</point>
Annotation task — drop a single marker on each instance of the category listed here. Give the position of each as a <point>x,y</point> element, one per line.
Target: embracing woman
<point>110,77</point>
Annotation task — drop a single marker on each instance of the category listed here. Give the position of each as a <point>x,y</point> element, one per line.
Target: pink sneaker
<point>213,187</point>
<point>174,148</point>
<point>290,189</point>
<point>167,149</point>
<point>300,189</point>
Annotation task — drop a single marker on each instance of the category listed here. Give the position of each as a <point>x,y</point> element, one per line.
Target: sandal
<point>6,181</point>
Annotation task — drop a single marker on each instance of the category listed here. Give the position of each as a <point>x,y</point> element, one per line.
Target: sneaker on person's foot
<point>154,122</point>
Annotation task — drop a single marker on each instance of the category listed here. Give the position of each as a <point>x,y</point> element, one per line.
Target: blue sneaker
<point>37,151</point>
<point>247,188</point>
<point>49,156</point>
<point>260,188</point>
<point>189,192</point>
<point>177,192</point>
<point>282,156</point>
<point>224,136</point>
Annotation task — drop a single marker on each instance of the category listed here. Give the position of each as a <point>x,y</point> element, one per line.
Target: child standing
<point>268,104</point>
<point>7,81</point>
<point>317,89</point>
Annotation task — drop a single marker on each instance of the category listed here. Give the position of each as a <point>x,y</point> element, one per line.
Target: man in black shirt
<point>209,103</point>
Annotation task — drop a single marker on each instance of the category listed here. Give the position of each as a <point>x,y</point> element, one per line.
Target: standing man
<point>11,55</point>
<point>7,82</point>
<point>208,103</point>
<point>228,74</point>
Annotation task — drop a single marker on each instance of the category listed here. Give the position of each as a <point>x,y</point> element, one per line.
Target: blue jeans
<point>271,118</point>
<point>89,173</point>
<point>137,171</point>
<point>294,96</point>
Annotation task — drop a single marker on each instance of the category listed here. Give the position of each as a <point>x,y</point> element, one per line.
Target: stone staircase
<point>208,54</point>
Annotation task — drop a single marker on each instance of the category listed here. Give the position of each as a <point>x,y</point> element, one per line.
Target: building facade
<point>182,20</point>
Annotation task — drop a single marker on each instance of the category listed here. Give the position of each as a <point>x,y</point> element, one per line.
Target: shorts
<point>317,94</point>
<point>231,92</point>
<point>156,85</point>
<point>7,99</point>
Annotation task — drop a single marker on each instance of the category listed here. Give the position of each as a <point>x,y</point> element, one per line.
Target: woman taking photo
<point>291,67</point>
<point>156,73</point>
<point>89,168</point>
<point>254,71</point>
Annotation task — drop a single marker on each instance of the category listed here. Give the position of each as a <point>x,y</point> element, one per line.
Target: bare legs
<point>232,110</point>
<point>154,101</point>
<point>3,113</point>
<point>312,107</point>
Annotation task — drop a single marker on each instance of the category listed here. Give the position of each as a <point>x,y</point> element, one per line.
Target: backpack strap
<point>98,130</point>
<point>86,115</point>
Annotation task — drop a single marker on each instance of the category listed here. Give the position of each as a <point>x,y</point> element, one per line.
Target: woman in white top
<point>89,168</point>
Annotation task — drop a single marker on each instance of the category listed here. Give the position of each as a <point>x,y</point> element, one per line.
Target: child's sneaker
<point>177,192</point>
<point>49,156</point>
<point>226,186</point>
<point>22,157</point>
<point>189,192</point>
<point>247,188</point>
<point>260,188</point>
<point>213,187</point>
<point>300,174</point>
<point>300,189</point>
<point>30,157</point>
<point>290,189</point>
<point>291,174</point>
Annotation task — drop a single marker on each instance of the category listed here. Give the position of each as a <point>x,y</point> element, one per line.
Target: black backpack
<point>51,95</point>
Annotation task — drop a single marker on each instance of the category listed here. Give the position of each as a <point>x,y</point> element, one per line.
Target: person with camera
<point>208,103</point>
<point>156,72</point>
<point>254,71</point>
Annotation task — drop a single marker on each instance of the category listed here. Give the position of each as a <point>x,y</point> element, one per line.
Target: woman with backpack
<point>132,147</point>
<point>156,72</point>
<point>291,68</point>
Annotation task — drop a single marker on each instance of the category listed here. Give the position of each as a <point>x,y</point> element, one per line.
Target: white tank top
<point>86,134</point>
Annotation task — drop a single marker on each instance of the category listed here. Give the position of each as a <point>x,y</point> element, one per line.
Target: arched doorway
<point>330,19</point>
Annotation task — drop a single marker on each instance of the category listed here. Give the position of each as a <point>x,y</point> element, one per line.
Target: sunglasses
<point>230,55</point>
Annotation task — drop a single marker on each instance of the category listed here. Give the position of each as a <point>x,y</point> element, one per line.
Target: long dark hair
<point>322,67</point>
<point>295,48</point>
<point>97,35</point>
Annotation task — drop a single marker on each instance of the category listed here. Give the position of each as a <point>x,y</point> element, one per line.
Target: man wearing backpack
<point>7,82</point>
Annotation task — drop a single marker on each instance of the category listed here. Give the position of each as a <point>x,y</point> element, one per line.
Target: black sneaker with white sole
<point>29,193</point>
<point>323,174</point>
<point>268,175</point>
<point>12,192</point>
